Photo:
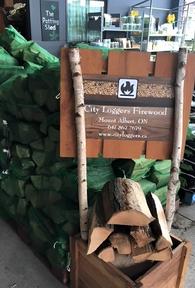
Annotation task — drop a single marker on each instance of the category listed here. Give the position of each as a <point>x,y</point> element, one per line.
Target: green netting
<point>99,172</point>
<point>159,179</point>
<point>6,59</point>
<point>6,72</point>
<point>26,51</point>
<point>162,167</point>
<point>141,168</point>
<point>11,39</point>
<point>147,186</point>
<point>32,52</point>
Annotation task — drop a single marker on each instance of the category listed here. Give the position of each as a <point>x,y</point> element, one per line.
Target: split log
<point>22,151</point>
<point>40,96</point>
<point>37,145</point>
<point>142,235</point>
<point>125,204</point>
<point>107,254</point>
<point>122,261</point>
<point>141,254</point>
<point>159,226</point>
<point>74,57</point>
<point>163,255</point>
<point>178,136</point>
<point>99,231</point>
<point>121,243</point>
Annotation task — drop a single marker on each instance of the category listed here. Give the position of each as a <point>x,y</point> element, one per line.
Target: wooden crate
<point>125,64</point>
<point>91,272</point>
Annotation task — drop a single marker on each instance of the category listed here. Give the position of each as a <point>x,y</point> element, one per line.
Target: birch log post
<point>74,57</point>
<point>178,136</point>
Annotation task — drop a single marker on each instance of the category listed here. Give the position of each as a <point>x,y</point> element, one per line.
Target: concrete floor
<point>19,267</point>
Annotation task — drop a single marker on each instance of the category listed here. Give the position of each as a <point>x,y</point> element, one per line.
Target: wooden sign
<point>50,23</point>
<point>129,104</point>
<point>128,123</point>
<point>143,110</point>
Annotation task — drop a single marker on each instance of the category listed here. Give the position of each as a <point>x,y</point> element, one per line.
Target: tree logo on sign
<point>127,88</point>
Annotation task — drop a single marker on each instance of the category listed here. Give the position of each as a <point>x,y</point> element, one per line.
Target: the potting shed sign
<point>50,23</point>
<point>128,109</point>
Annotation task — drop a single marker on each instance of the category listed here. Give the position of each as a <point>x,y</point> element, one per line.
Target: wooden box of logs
<point>89,271</point>
<point>129,244</point>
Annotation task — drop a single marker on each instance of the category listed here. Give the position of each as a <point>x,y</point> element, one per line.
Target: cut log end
<point>130,218</point>
<point>107,255</point>
<point>121,243</point>
<point>142,235</point>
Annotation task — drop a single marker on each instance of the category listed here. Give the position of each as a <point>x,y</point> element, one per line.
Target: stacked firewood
<point>126,227</point>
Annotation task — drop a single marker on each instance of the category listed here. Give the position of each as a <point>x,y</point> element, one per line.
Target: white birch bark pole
<point>74,57</point>
<point>178,136</point>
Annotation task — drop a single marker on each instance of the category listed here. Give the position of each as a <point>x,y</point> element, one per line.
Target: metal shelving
<point>149,11</point>
<point>146,36</point>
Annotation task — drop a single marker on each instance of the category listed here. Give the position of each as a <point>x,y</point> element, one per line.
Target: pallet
<point>89,271</point>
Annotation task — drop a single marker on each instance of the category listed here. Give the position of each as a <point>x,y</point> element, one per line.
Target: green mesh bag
<point>147,186</point>
<point>6,59</point>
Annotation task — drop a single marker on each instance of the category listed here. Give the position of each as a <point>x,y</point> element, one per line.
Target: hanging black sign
<point>50,23</point>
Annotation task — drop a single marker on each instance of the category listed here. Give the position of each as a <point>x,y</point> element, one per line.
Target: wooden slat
<point>91,62</point>
<point>74,276</point>
<point>158,150</point>
<point>123,149</point>
<point>164,274</point>
<point>185,256</point>
<point>67,124</point>
<point>166,64</point>
<point>93,272</point>
<point>94,147</point>
<point>131,63</point>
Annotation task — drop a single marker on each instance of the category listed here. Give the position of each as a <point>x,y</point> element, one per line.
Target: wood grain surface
<point>89,271</point>
<point>130,64</point>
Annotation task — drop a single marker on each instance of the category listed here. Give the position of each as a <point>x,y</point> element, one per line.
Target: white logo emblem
<point>127,88</point>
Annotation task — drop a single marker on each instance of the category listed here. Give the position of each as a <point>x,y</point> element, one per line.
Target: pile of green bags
<point>38,189</point>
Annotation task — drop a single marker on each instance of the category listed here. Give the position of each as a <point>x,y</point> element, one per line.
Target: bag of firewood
<point>11,39</point>
<point>162,193</point>
<point>99,172</point>
<point>6,59</point>
<point>160,173</point>
<point>147,186</point>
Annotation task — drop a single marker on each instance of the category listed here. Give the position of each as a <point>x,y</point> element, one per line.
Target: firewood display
<point>132,238</point>
<point>38,189</point>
